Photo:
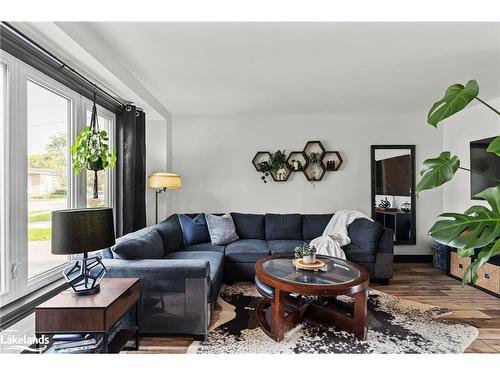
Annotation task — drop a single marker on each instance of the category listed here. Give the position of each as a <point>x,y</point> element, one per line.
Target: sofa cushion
<point>171,233</point>
<point>246,251</point>
<point>249,226</point>
<point>221,229</point>
<point>194,230</point>
<point>283,246</point>
<point>206,246</point>
<point>313,225</point>
<point>145,243</point>
<point>216,261</point>
<point>365,234</point>
<point>358,255</point>
<point>283,227</point>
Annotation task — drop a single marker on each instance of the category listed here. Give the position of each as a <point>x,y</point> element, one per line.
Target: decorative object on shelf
<point>332,160</point>
<point>79,231</point>
<point>161,182</point>
<point>406,207</point>
<point>384,203</point>
<point>297,161</point>
<point>91,150</point>
<point>297,165</point>
<point>281,174</point>
<point>300,264</point>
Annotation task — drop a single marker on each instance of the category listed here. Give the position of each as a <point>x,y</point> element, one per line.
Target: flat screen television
<point>485,162</point>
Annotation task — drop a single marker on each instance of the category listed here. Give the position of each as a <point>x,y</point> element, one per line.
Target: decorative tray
<point>299,264</point>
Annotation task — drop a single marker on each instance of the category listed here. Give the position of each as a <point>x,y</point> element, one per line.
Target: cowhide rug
<point>395,326</point>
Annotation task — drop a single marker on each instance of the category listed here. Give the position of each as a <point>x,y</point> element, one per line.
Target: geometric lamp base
<point>86,292</point>
<point>84,275</point>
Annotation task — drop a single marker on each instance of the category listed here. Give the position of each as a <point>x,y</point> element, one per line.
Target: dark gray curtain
<point>131,170</point>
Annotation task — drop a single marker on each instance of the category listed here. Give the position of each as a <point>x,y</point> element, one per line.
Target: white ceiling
<point>287,68</point>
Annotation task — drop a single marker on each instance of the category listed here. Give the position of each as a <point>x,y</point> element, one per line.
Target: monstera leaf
<point>455,99</point>
<point>437,171</point>
<point>486,253</point>
<point>476,227</point>
<point>494,146</point>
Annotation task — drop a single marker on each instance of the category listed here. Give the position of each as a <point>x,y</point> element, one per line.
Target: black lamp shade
<point>82,230</point>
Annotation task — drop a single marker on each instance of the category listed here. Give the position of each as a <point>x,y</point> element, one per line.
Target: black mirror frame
<point>413,241</point>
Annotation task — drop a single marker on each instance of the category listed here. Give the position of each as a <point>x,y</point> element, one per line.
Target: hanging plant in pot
<point>91,150</point>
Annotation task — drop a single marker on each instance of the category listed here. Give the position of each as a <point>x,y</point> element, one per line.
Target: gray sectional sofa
<point>180,284</point>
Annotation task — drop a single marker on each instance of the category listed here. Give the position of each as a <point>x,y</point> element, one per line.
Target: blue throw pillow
<point>194,230</point>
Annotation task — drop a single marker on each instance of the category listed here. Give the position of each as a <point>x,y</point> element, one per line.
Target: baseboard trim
<point>412,258</point>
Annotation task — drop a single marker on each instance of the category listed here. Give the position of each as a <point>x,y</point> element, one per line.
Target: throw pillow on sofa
<point>194,230</point>
<point>221,229</point>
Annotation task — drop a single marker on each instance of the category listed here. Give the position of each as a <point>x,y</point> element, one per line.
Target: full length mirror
<point>393,190</point>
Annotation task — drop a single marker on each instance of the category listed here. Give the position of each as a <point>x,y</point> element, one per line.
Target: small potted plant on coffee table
<point>306,252</point>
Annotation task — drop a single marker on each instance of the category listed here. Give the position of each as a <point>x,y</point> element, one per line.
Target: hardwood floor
<point>417,282</point>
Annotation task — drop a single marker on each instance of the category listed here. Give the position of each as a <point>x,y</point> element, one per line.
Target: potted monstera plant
<point>91,150</point>
<point>479,226</point>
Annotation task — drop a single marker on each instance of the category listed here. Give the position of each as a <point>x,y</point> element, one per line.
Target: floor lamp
<point>161,182</point>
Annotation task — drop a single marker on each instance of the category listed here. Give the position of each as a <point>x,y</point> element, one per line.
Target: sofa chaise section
<point>179,286</point>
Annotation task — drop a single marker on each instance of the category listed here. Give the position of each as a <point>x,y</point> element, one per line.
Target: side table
<point>97,313</point>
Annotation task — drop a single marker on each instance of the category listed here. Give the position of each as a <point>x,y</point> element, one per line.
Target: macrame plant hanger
<point>94,129</point>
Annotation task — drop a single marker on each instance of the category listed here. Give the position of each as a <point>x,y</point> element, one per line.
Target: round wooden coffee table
<point>290,294</point>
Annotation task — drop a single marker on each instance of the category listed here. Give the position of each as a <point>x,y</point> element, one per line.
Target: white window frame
<point>13,219</point>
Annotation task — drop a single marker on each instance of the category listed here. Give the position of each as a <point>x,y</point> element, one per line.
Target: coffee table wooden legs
<point>280,314</point>
<point>355,321</point>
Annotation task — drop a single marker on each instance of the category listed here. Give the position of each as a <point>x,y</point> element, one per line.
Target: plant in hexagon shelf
<point>261,163</point>
<point>279,169</point>
<point>274,165</point>
<point>477,230</point>
<point>314,152</point>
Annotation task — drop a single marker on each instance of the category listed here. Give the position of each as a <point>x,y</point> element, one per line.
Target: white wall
<point>213,155</point>
<point>475,123</point>
<point>156,161</point>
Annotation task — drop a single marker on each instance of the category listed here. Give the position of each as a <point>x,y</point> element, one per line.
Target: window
<point>3,108</point>
<point>48,122</point>
<point>40,119</point>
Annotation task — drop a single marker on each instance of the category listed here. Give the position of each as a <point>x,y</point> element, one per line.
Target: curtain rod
<point>63,64</point>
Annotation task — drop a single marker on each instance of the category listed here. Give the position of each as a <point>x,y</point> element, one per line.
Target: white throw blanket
<point>335,234</point>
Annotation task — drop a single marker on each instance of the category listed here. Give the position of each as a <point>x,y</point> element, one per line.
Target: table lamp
<point>79,231</point>
<point>162,181</point>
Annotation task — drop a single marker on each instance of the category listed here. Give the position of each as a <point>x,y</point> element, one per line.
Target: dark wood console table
<point>97,313</point>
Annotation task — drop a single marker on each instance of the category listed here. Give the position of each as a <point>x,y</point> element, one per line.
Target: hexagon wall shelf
<point>329,161</point>
<point>332,161</point>
<point>260,156</point>
<point>293,158</point>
